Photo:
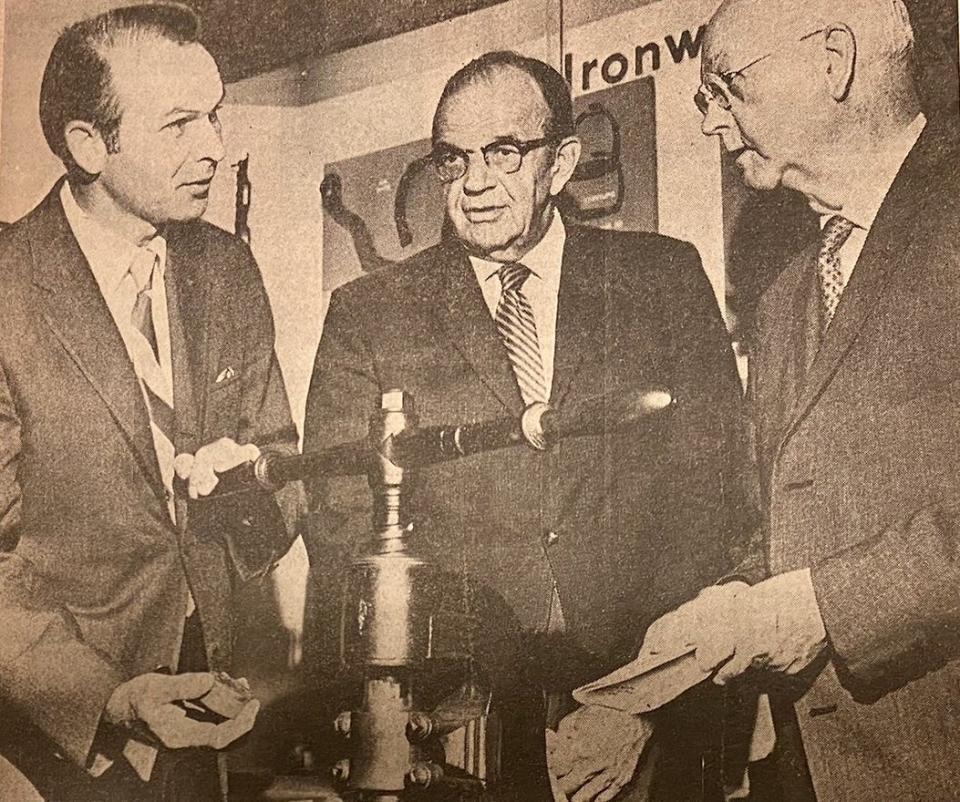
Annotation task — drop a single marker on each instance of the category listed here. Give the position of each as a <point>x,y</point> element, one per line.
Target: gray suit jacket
<point>93,585</point>
<point>859,453</point>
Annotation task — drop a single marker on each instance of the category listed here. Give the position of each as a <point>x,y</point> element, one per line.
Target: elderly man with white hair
<point>850,606</point>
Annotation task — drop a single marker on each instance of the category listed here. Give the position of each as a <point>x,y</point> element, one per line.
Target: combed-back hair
<point>77,83</point>
<point>552,85</point>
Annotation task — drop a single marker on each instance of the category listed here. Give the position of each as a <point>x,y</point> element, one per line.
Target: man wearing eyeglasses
<point>854,610</point>
<point>585,543</point>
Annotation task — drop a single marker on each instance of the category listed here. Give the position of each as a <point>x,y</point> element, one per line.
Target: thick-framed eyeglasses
<point>716,88</point>
<point>503,155</point>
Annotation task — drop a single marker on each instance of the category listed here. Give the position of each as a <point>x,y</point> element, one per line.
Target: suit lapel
<point>580,310</point>
<point>74,309</point>
<point>185,308</point>
<point>885,251</point>
<point>783,357</point>
<point>459,305</point>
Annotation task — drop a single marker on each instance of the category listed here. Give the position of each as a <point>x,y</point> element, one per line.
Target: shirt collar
<point>863,202</point>
<point>110,256</point>
<point>544,259</point>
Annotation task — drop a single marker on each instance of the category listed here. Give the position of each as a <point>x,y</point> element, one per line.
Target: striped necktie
<point>156,385</point>
<point>518,329</point>
<point>835,234</point>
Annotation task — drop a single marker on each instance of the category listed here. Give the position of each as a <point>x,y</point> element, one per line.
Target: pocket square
<point>227,373</point>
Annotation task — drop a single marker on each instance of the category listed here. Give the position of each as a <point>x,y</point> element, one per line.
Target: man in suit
<point>587,540</point>
<point>853,381</point>
<point>137,343</point>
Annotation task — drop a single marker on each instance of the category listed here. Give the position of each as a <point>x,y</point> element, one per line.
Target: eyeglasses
<point>503,155</point>
<point>716,88</point>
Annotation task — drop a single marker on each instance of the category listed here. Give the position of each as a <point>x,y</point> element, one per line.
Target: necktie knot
<point>835,233</point>
<point>142,269</point>
<point>513,275</point>
<point>829,273</point>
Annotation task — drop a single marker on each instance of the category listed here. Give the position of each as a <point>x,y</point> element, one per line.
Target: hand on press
<point>200,471</point>
<point>595,752</point>
<point>152,701</point>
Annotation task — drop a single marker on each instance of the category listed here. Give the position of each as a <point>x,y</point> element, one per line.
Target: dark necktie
<point>835,234</point>
<point>518,329</point>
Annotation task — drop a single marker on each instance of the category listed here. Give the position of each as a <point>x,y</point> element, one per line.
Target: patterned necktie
<point>518,329</point>
<point>156,385</point>
<point>835,234</point>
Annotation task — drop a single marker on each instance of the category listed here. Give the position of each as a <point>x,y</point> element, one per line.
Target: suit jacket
<point>859,452</point>
<point>94,590</point>
<point>629,523</point>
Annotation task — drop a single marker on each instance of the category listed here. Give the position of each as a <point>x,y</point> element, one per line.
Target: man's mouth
<point>483,214</point>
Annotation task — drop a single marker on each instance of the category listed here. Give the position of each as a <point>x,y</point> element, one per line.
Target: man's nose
<point>478,176</point>
<point>210,146</point>
<point>715,120</point>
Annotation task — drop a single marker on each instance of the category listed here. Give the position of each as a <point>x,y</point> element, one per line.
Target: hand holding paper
<point>774,625</point>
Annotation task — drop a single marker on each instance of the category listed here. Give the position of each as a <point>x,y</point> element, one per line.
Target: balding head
<point>881,28</point>
<point>795,89</point>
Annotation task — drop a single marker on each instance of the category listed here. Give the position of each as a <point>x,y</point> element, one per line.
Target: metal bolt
<point>419,726</point>
<point>424,773</point>
<point>342,723</point>
<point>341,770</point>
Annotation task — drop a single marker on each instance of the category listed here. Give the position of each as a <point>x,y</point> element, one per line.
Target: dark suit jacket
<point>630,523</point>
<point>93,592</point>
<point>860,463</point>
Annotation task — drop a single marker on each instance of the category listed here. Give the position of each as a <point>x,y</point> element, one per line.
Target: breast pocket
<point>223,402</point>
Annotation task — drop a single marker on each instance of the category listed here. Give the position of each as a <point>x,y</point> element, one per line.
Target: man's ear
<point>86,145</point>
<point>841,46</point>
<point>568,154</point>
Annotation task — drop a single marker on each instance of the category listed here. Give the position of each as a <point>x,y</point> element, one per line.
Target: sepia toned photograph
<point>479,401</point>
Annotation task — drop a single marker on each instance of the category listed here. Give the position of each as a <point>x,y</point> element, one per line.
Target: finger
<point>231,455</point>
<point>234,728</point>
<point>737,665</point>
<point>716,649</point>
<point>180,686</point>
<point>183,464</point>
<point>596,786</point>
<point>171,726</point>
<point>610,793</point>
<point>202,480</point>
<point>582,772</point>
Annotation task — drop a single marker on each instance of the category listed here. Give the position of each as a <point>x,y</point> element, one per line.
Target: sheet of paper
<point>647,683</point>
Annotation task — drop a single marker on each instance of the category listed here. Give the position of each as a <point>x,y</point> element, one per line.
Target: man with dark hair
<point>137,345</point>
<point>520,307</point>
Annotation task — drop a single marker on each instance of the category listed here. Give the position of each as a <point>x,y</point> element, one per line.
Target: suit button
<point>550,538</point>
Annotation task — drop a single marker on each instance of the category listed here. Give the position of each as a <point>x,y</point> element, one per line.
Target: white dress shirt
<point>864,200</point>
<point>110,258</point>
<point>541,289</point>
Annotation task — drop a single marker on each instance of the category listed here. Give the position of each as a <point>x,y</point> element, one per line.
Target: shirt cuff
<point>792,596</point>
